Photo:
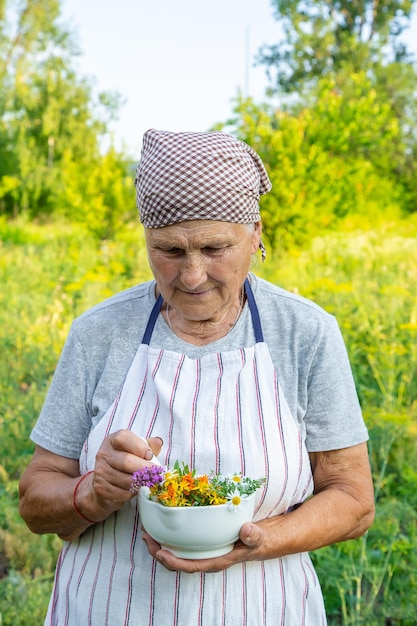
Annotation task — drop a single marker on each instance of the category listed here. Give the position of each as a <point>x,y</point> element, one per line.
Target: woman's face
<point>200,265</point>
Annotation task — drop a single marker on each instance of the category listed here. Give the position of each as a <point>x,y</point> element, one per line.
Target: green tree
<point>324,37</point>
<point>327,161</point>
<point>98,193</point>
<point>52,124</point>
<point>339,40</point>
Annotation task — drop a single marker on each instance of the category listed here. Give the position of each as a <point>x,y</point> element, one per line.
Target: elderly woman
<point>221,370</point>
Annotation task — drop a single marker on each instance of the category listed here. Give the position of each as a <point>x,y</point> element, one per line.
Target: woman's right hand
<point>120,455</point>
<point>46,489</point>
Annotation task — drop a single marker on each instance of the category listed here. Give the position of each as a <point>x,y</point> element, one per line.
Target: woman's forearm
<point>341,508</point>
<point>328,517</point>
<point>46,505</point>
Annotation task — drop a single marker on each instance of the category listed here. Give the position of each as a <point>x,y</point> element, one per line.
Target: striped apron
<point>223,412</point>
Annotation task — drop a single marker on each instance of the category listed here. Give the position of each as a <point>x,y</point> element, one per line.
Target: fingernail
<point>148,455</point>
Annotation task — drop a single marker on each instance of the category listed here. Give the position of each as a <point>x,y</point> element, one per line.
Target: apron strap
<point>152,320</point>
<point>257,328</point>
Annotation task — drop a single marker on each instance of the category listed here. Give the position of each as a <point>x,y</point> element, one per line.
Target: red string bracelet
<point>75,494</point>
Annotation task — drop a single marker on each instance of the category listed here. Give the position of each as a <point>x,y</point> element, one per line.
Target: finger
<point>175,564</point>
<point>149,455</point>
<point>191,566</point>
<point>155,444</point>
<point>126,441</point>
<point>151,544</point>
<point>111,487</point>
<point>122,452</point>
<point>250,535</point>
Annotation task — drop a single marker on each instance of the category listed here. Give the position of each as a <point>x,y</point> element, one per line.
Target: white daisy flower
<point>236,499</point>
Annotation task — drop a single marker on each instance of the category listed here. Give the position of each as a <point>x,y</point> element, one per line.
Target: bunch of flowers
<point>183,487</point>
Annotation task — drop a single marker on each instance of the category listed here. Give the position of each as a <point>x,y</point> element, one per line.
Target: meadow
<point>51,273</point>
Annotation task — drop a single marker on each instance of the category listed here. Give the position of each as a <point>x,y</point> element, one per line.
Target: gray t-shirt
<point>304,341</point>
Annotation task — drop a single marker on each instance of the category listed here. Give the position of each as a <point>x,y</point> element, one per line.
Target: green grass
<point>52,273</point>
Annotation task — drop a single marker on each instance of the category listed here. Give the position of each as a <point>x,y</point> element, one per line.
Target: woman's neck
<point>203,332</point>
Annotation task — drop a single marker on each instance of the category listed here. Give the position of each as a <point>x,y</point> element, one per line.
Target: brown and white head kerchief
<point>203,176</point>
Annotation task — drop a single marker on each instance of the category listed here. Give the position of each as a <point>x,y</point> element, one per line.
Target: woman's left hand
<point>246,549</point>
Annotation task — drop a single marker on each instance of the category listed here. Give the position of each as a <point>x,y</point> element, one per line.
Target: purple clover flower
<point>147,476</point>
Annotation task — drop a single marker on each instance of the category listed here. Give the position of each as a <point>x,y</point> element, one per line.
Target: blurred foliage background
<point>340,226</point>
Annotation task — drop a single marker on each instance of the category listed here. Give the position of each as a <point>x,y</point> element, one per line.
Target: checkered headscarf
<point>198,176</point>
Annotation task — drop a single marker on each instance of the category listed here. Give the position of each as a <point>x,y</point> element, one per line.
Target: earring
<point>263,250</point>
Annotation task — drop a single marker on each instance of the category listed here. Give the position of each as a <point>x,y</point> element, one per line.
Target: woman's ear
<point>256,240</point>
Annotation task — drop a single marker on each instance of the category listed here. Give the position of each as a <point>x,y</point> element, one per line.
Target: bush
<point>52,273</point>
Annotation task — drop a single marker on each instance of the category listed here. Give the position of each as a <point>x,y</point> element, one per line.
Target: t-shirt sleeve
<point>64,422</point>
<point>333,418</point>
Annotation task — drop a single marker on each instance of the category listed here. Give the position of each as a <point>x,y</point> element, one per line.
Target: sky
<point>178,64</point>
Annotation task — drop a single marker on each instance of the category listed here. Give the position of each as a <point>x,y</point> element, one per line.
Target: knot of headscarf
<point>195,175</point>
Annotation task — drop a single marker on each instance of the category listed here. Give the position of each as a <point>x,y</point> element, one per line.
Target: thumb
<point>250,534</point>
<point>155,444</point>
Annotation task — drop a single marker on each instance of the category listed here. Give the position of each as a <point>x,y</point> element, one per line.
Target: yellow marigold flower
<point>182,487</point>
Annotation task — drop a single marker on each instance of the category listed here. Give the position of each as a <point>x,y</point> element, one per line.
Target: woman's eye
<point>213,251</point>
<point>208,251</point>
<point>172,251</point>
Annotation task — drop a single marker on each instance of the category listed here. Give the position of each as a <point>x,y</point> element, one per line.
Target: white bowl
<point>195,532</point>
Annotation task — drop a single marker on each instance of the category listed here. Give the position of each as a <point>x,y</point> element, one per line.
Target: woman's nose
<point>193,272</point>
